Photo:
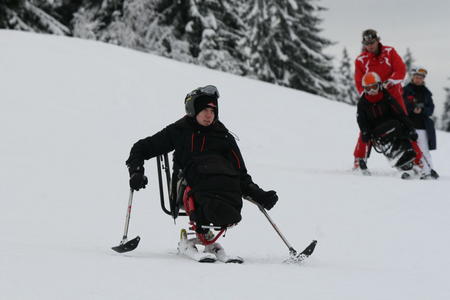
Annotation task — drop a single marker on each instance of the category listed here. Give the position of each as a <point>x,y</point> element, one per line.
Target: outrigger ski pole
<point>126,245</point>
<point>295,257</point>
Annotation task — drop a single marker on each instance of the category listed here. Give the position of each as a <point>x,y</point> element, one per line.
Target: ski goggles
<point>420,71</point>
<point>371,87</point>
<point>369,39</point>
<point>209,90</point>
<point>369,42</point>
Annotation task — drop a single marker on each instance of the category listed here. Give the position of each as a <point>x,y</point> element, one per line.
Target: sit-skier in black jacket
<point>209,159</point>
<point>374,110</point>
<point>380,108</point>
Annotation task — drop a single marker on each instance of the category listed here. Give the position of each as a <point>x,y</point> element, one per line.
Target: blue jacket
<point>420,96</point>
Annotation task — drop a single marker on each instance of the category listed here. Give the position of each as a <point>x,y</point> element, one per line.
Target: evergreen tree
<point>347,90</point>
<point>409,62</point>
<point>93,18</point>
<point>445,119</point>
<point>128,25</point>
<point>84,24</point>
<point>212,29</point>
<point>30,15</point>
<point>285,47</point>
<point>213,57</point>
<point>8,13</point>
<point>64,11</point>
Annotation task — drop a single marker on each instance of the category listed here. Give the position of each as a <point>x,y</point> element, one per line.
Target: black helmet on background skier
<point>369,36</point>
<point>201,98</point>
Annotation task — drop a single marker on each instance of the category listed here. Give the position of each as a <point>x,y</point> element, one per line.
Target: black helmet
<point>369,36</point>
<point>199,98</point>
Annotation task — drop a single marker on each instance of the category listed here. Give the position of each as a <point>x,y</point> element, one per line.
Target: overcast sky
<point>422,26</point>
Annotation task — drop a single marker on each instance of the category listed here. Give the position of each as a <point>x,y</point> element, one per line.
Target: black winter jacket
<point>193,142</point>
<point>372,114</point>
<point>420,96</point>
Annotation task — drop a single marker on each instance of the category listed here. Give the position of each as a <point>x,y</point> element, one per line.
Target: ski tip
<point>310,249</point>
<point>128,246</point>
<point>298,258</point>
<point>207,260</point>
<point>234,260</point>
<point>405,176</point>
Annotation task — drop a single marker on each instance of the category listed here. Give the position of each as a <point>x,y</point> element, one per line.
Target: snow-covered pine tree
<point>213,57</point>
<point>64,10</point>
<point>84,24</point>
<point>212,28</point>
<point>8,10</point>
<point>129,24</point>
<point>285,46</point>
<point>408,59</point>
<point>221,37</point>
<point>140,27</point>
<point>445,119</point>
<point>346,84</point>
<point>92,19</point>
<point>261,43</point>
<point>30,15</point>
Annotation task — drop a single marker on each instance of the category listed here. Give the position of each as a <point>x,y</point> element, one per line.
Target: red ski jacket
<point>388,64</point>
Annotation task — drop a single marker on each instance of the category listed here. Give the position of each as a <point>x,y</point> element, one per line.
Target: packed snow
<point>70,112</point>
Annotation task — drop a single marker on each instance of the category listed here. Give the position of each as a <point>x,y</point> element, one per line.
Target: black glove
<point>366,136</point>
<point>138,181</point>
<point>265,199</point>
<point>137,178</point>
<point>412,134</point>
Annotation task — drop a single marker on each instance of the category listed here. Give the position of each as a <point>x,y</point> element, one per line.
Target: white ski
<point>187,248</point>
<point>220,254</point>
<point>414,173</point>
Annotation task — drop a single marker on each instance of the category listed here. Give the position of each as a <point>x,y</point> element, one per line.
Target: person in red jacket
<point>385,61</point>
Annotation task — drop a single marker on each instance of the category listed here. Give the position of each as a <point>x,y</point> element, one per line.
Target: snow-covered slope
<point>70,111</point>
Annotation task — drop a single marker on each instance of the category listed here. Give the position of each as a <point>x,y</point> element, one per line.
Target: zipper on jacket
<point>203,144</point>
<point>237,158</point>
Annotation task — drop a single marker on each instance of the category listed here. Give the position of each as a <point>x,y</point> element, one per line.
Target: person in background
<point>385,61</point>
<point>383,122</point>
<point>419,102</point>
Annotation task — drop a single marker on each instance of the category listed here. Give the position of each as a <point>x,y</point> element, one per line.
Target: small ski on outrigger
<point>125,244</point>
<point>294,256</point>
